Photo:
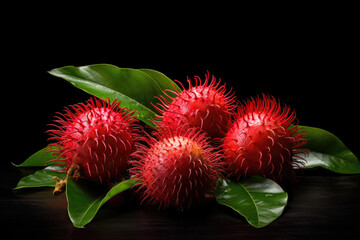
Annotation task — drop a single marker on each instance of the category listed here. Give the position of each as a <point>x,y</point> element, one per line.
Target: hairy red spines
<point>98,136</point>
<point>261,141</point>
<point>207,106</point>
<point>177,168</point>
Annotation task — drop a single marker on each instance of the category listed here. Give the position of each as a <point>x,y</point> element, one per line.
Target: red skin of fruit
<point>177,169</point>
<point>206,106</point>
<point>260,141</point>
<point>98,136</point>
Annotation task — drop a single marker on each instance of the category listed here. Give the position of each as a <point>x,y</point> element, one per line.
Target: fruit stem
<point>60,185</point>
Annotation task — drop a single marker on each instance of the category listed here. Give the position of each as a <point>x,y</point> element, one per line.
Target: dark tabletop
<point>321,204</point>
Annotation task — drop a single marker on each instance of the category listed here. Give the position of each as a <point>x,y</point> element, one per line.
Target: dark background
<point>307,59</point>
<point>312,70</point>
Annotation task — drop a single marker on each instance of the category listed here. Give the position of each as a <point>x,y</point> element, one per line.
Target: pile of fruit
<point>177,147</point>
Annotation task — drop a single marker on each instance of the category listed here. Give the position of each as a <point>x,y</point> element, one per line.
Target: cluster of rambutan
<point>203,134</point>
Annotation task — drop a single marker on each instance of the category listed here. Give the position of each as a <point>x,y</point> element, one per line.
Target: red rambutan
<point>262,142</point>
<point>178,169</point>
<point>98,136</point>
<point>206,106</point>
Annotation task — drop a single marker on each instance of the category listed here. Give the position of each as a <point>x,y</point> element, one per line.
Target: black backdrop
<point>316,74</point>
<point>307,65</point>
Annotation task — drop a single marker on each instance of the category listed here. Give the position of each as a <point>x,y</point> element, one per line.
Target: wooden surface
<point>320,205</point>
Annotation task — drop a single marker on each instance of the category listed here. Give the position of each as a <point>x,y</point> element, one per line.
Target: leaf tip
<point>15,165</point>
<point>78,225</point>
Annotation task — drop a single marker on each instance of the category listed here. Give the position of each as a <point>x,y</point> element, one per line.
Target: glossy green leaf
<point>133,87</point>
<point>39,158</point>
<point>85,199</point>
<point>258,199</point>
<point>162,80</point>
<point>41,178</point>
<point>329,152</point>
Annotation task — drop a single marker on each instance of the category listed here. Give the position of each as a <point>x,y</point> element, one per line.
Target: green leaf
<point>134,88</point>
<point>39,158</point>
<point>85,199</point>
<point>259,200</point>
<point>329,152</point>
<point>41,178</point>
<point>162,80</point>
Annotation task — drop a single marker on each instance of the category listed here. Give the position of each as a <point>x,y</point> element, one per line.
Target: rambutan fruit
<point>207,106</point>
<point>177,169</point>
<point>263,140</point>
<point>98,136</point>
